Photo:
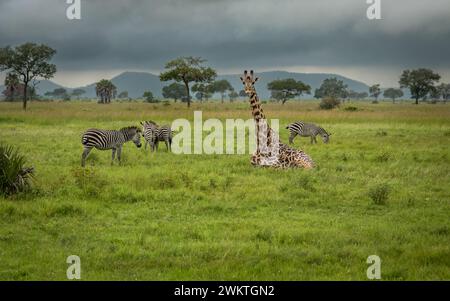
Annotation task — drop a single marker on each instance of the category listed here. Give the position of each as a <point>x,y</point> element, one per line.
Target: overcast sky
<point>233,35</point>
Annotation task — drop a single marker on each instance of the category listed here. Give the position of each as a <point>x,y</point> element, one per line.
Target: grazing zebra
<point>307,130</point>
<point>109,139</point>
<point>153,134</point>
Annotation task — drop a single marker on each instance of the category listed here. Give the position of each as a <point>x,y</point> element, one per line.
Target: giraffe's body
<point>269,150</point>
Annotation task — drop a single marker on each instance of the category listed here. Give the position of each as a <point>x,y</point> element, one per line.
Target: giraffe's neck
<point>257,111</point>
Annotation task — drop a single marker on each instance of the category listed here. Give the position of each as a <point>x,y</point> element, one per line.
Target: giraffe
<point>269,150</point>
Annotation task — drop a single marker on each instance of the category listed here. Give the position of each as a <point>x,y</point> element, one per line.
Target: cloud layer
<point>231,34</point>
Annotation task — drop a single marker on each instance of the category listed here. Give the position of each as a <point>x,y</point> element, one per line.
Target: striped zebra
<point>307,130</point>
<point>109,139</point>
<point>153,134</point>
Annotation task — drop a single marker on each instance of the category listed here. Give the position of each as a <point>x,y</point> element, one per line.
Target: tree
<point>331,87</point>
<point>12,85</point>
<point>444,90</point>
<point>233,95</point>
<point>58,93</point>
<point>187,70</point>
<point>419,81</point>
<point>148,96</point>
<point>78,92</point>
<point>393,93</point>
<point>106,90</point>
<point>202,91</point>
<point>375,91</point>
<point>29,61</point>
<point>284,89</point>
<point>174,90</point>
<point>242,93</point>
<point>363,95</point>
<point>221,87</point>
<point>123,95</point>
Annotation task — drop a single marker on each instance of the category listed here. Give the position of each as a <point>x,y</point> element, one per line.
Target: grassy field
<point>163,216</point>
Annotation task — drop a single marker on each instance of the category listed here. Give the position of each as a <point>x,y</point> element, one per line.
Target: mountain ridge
<point>138,82</point>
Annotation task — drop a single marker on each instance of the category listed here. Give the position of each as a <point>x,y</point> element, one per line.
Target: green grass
<point>215,217</point>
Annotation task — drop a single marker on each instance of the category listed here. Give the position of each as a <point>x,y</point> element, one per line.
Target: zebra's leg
<point>86,152</point>
<point>291,137</point>
<point>113,155</point>
<point>312,139</point>
<point>167,144</point>
<point>119,154</point>
<point>146,142</point>
<point>315,139</point>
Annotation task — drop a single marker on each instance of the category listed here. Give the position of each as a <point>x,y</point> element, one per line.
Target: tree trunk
<point>222,97</point>
<point>417,100</point>
<point>25,95</point>
<point>186,84</point>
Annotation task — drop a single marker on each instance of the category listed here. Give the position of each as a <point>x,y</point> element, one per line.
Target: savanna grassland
<point>381,186</point>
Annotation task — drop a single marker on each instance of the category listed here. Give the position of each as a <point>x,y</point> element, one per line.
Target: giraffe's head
<point>248,81</point>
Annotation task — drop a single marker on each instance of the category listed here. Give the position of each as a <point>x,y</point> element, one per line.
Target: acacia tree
<point>203,90</point>
<point>285,89</point>
<point>174,91</point>
<point>375,91</point>
<point>419,81</point>
<point>29,61</point>
<point>444,90</point>
<point>233,95</point>
<point>221,87</point>
<point>78,92</point>
<point>393,93</point>
<point>188,70</point>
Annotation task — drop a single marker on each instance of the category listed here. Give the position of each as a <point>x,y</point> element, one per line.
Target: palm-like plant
<point>106,90</point>
<point>14,176</point>
<point>12,85</point>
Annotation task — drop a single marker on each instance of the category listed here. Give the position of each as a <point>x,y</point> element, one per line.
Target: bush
<point>379,194</point>
<point>14,176</point>
<point>329,103</point>
<point>375,102</point>
<point>351,109</point>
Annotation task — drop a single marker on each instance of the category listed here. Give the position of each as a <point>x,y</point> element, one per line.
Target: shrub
<point>329,103</point>
<point>375,102</point>
<point>351,109</point>
<point>379,194</point>
<point>14,176</point>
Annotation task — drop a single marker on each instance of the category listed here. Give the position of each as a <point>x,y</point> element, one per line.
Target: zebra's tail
<point>287,127</point>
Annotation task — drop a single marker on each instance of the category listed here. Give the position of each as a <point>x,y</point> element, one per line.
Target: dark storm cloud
<point>117,34</point>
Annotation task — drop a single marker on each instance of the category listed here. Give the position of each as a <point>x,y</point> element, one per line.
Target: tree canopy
<point>106,90</point>
<point>375,91</point>
<point>29,62</point>
<point>174,90</point>
<point>221,87</point>
<point>393,93</point>
<point>419,81</point>
<point>187,70</point>
<point>285,89</point>
<point>331,87</point>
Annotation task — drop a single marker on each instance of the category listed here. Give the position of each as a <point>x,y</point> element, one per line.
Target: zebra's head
<point>326,137</point>
<point>133,133</point>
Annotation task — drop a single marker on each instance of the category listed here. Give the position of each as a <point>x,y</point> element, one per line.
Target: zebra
<point>109,139</point>
<point>153,134</point>
<point>307,130</point>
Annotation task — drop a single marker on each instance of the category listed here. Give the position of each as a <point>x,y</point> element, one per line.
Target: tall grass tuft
<point>379,194</point>
<point>14,176</point>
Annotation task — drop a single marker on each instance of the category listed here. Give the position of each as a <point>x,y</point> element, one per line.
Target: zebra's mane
<point>322,131</point>
<point>130,128</point>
